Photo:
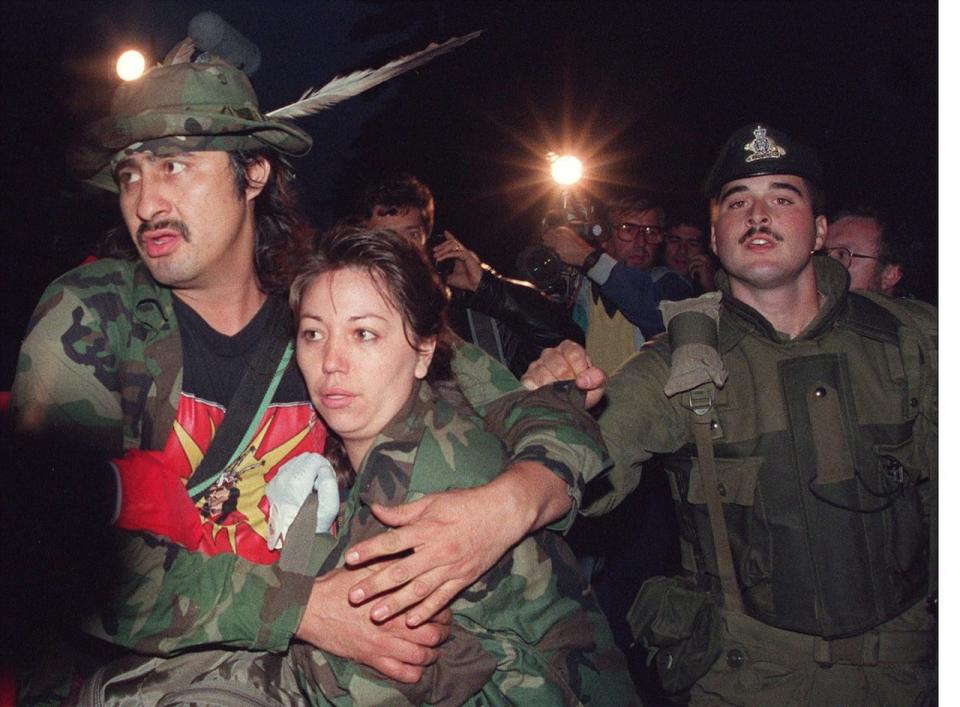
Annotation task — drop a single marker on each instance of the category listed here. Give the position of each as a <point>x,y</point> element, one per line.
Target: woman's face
<point>353,350</point>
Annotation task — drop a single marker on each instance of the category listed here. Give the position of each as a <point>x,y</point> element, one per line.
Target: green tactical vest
<point>819,474</point>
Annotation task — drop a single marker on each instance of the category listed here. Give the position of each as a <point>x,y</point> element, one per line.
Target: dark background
<point>644,92</point>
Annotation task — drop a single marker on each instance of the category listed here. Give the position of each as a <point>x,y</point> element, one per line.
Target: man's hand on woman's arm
<point>331,623</point>
<point>455,536</point>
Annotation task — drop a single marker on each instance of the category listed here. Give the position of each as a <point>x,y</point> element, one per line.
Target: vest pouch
<point>897,466</point>
<point>679,625</point>
<point>905,535</point>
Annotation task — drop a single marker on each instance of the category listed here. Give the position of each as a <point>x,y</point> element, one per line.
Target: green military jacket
<point>528,632</point>
<point>102,361</point>
<point>825,446</point>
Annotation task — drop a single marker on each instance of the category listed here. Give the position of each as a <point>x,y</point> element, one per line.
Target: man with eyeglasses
<point>685,251</point>
<point>617,301</point>
<point>865,243</point>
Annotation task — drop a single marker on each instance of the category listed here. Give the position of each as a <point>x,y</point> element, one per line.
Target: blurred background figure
<point>510,319</point>
<point>869,246</point>
<point>686,249</point>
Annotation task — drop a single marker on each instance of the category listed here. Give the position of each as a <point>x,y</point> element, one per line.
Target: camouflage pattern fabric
<point>101,359</point>
<point>866,570</point>
<point>528,632</point>
<point>534,634</point>
<point>101,362</point>
<point>180,103</point>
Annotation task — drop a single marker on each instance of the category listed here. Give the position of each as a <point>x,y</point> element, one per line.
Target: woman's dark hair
<point>282,232</point>
<point>409,283</point>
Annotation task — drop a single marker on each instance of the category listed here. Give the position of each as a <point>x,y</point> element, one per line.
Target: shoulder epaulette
<point>868,318</point>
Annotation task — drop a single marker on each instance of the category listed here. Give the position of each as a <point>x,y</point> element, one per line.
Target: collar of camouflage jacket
<point>152,303</point>
<point>395,448</point>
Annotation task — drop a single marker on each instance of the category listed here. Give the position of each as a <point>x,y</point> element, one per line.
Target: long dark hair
<point>409,283</point>
<point>282,232</point>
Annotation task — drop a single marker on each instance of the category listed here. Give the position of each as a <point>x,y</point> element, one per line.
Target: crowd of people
<point>344,463</point>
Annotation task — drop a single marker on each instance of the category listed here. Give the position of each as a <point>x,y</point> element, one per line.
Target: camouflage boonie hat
<point>178,107</point>
<point>758,149</point>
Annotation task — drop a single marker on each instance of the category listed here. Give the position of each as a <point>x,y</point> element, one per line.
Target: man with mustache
<point>143,355</point>
<point>799,424</point>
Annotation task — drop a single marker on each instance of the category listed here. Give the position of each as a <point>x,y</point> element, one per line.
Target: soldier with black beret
<point>798,424</point>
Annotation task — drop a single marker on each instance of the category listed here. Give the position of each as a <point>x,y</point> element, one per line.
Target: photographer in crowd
<point>616,302</point>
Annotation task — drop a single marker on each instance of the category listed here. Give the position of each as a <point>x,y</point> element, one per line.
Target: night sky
<point>645,93</point>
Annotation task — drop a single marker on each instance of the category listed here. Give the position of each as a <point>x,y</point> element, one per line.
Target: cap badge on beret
<point>763,147</point>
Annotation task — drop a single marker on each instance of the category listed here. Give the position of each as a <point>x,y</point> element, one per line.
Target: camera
<point>542,265</point>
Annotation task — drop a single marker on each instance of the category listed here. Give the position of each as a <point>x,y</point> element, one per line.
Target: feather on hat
<point>180,105</point>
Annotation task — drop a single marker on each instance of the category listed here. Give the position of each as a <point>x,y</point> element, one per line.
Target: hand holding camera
<point>569,245</point>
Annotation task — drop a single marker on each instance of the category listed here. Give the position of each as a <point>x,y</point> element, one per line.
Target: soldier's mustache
<point>760,229</point>
<point>166,224</point>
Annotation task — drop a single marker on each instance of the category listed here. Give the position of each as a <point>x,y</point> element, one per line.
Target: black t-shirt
<point>232,514</point>
<point>214,363</point>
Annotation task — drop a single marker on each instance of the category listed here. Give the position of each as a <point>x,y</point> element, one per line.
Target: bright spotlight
<point>566,169</point>
<point>130,65</point>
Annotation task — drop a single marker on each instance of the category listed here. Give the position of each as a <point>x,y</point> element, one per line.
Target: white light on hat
<point>130,65</point>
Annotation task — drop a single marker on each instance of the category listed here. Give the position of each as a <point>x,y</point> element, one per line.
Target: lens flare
<point>566,170</point>
<point>130,65</point>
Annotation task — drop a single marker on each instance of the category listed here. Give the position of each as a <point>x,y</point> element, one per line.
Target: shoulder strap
<point>868,318</point>
<point>700,402</point>
<point>696,370</point>
<point>246,407</point>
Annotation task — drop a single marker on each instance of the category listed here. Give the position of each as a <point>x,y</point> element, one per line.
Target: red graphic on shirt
<point>232,514</point>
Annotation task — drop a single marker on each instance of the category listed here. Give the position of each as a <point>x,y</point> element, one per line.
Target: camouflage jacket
<point>528,632</point>
<point>825,447</point>
<point>102,360</point>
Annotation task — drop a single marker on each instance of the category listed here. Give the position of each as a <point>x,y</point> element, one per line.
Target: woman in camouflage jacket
<point>371,330</point>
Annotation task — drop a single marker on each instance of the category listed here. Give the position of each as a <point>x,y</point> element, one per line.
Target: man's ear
<point>889,278</point>
<point>820,225</point>
<point>258,172</point>
<point>425,351</point>
<point>713,238</point>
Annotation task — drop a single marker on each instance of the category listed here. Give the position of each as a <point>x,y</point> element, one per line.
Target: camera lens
<point>540,265</point>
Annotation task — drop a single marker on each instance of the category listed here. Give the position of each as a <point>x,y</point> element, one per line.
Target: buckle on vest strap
<point>699,400</point>
<point>858,650</point>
